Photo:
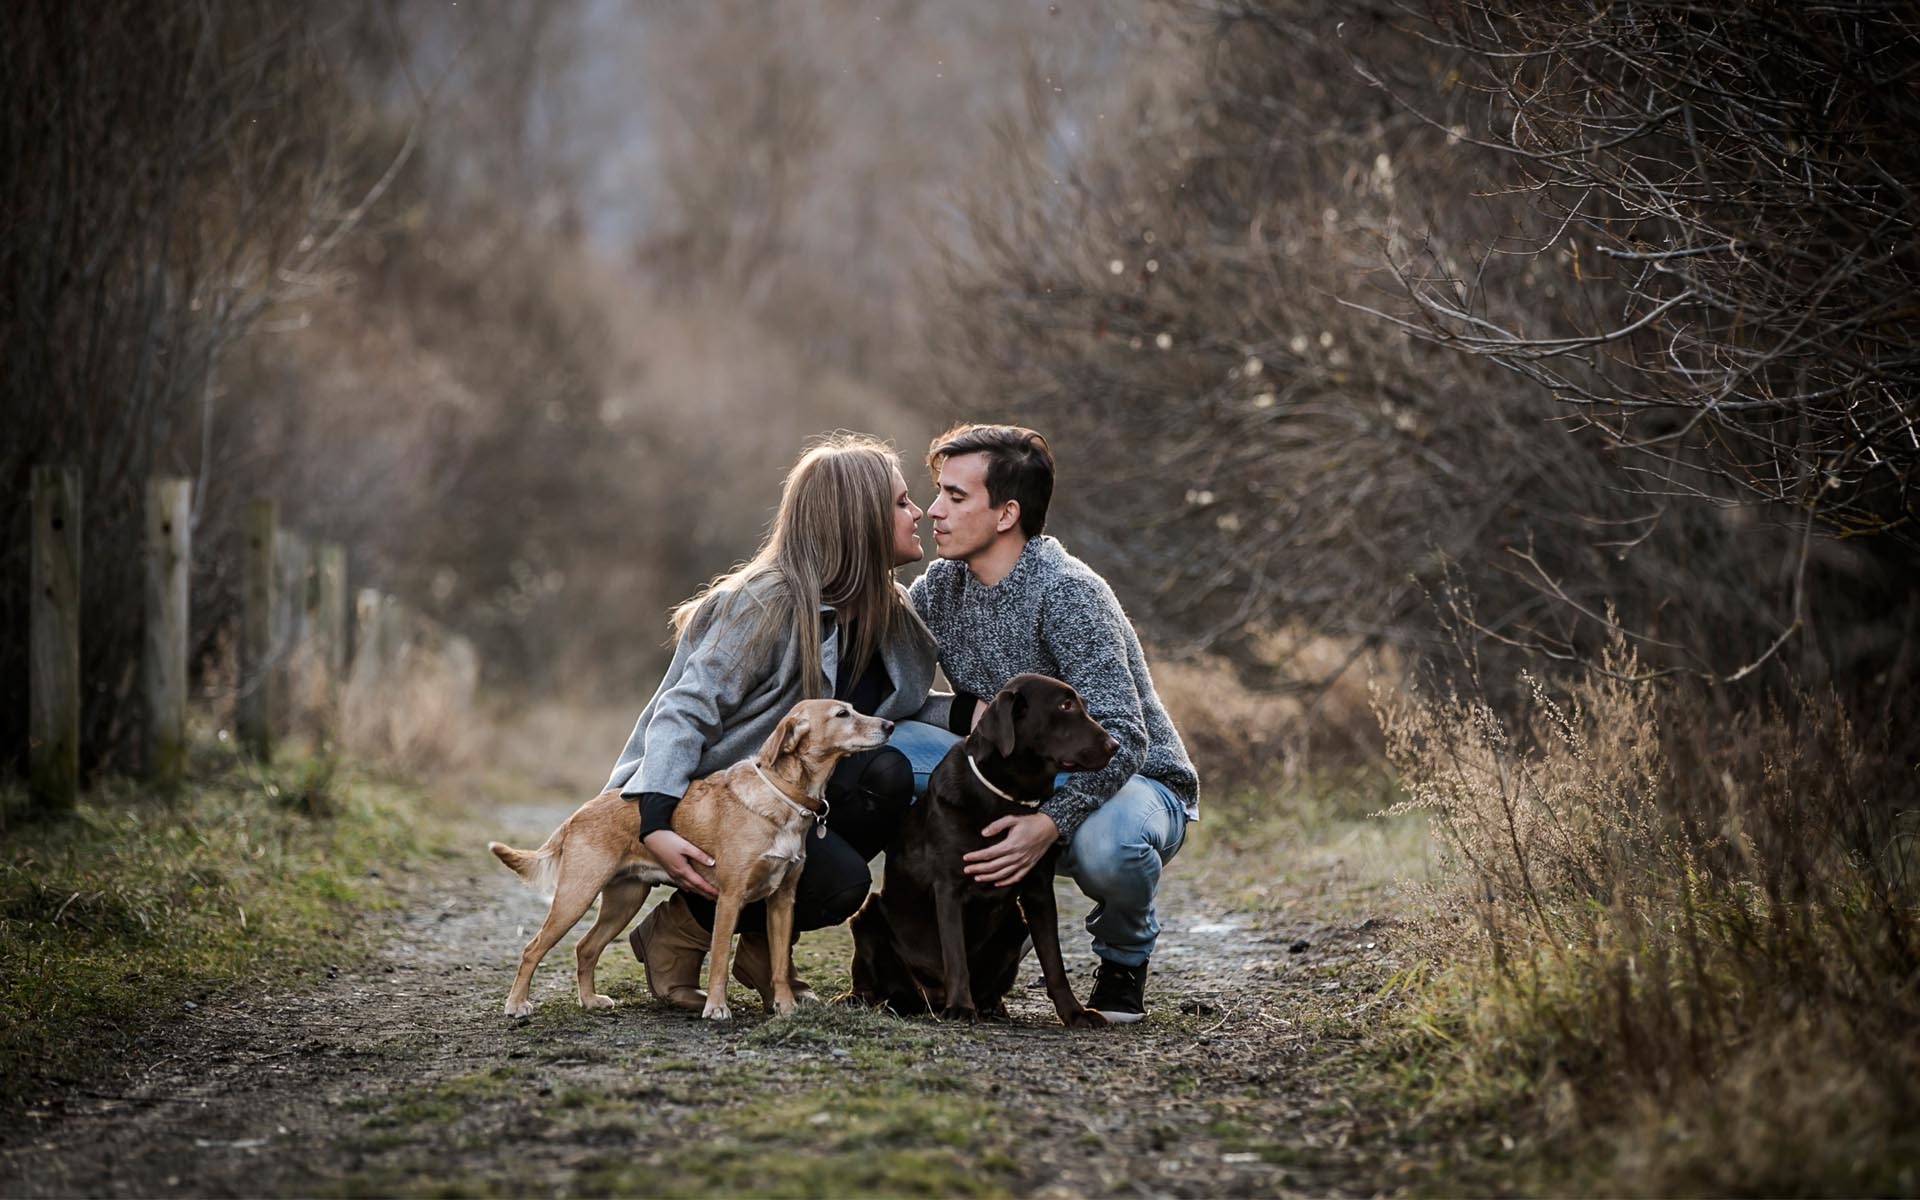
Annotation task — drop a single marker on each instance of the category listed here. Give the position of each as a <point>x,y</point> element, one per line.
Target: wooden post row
<point>256,704</point>
<point>329,620</point>
<point>289,610</point>
<point>163,657</point>
<point>53,672</point>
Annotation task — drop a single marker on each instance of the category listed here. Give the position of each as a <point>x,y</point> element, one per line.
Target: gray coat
<point>715,707</point>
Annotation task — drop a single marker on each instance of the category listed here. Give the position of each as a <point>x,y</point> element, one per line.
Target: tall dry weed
<point>1682,919</point>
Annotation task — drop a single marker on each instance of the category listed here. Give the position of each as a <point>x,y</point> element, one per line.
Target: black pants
<point>867,795</point>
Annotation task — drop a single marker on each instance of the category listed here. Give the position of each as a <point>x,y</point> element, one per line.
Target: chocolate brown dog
<point>932,937</point>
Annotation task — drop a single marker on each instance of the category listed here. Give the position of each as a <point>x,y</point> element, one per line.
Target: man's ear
<point>785,736</point>
<point>1008,517</point>
<point>996,724</point>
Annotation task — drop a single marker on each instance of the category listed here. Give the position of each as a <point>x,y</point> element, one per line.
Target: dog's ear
<point>996,726</point>
<point>793,730</point>
<point>785,736</point>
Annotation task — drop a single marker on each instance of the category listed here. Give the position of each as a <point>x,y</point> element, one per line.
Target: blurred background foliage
<point>1512,400</point>
<point>530,306</point>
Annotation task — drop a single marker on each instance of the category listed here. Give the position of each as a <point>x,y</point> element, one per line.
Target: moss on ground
<point>135,908</point>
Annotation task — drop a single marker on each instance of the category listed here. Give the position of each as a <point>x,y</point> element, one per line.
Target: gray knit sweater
<point>1053,615</point>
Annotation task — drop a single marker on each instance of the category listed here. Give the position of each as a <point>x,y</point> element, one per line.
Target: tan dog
<point>751,818</point>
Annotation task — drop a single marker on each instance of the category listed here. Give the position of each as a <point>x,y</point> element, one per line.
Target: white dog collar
<point>988,784</point>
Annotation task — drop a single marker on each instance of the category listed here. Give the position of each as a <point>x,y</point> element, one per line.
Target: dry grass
<point>1691,933</point>
<point>1242,736</point>
<point>415,712</point>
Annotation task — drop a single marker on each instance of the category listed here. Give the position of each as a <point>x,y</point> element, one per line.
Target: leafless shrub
<point>1193,314</point>
<point>1733,190</point>
<point>1657,906</point>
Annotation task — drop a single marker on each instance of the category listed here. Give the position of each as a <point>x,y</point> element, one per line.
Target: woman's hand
<point>679,856</point>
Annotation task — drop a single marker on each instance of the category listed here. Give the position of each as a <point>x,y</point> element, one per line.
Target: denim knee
<point>1124,872</point>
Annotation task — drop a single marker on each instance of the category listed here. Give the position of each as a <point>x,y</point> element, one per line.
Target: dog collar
<point>820,818</point>
<point>988,784</point>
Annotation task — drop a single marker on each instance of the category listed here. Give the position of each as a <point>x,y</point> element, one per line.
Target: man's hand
<point>678,856</point>
<point>1007,861</point>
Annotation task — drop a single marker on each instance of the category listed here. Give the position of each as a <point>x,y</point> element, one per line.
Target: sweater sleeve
<point>953,713</point>
<point>1087,633</point>
<point>692,714</point>
<point>656,812</point>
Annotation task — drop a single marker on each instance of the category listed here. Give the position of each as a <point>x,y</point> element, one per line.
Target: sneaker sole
<point>1120,1018</point>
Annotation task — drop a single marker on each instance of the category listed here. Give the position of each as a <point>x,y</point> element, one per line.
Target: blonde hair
<point>831,544</point>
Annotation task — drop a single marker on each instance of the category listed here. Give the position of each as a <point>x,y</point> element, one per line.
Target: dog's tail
<point>537,868</point>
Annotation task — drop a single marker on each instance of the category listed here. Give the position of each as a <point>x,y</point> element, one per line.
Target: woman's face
<point>906,519</point>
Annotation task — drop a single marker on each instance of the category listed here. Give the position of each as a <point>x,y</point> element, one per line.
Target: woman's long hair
<point>831,544</point>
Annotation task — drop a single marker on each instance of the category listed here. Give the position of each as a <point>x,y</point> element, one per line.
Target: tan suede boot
<point>673,947</point>
<point>753,966</point>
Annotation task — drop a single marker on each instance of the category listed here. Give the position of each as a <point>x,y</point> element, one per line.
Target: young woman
<point>814,614</point>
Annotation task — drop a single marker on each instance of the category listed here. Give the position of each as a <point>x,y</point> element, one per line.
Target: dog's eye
<point>841,713</point>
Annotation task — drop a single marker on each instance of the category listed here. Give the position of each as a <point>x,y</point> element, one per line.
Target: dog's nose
<point>1112,746</point>
<point>887,727</point>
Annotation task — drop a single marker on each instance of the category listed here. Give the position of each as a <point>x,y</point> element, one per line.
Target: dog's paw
<point>961,1012</point>
<point>784,1008</point>
<point>716,1012</point>
<point>599,1001</point>
<point>522,1009</point>
<point>1085,1018</point>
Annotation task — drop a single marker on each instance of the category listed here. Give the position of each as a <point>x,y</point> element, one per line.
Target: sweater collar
<point>1032,558</point>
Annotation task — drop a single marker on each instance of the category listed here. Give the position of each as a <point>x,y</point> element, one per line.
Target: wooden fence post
<point>53,674</point>
<point>163,659</point>
<point>289,626</point>
<point>329,620</point>
<point>256,704</point>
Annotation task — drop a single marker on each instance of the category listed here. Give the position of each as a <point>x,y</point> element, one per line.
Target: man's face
<point>906,516</point>
<point>965,522</point>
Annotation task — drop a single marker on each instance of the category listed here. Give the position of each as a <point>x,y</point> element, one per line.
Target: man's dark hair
<point>1019,467</point>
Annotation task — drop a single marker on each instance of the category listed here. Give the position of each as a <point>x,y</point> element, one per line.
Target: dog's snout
<point>1111,746</point>
<point>886,727</point>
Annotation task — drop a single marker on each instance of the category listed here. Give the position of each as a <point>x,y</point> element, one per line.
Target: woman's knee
<point>833,885</point>
<point>889,775</point>
<point>836,906</point>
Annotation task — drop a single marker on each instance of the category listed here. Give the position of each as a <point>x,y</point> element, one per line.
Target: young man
<point>1005,599</point>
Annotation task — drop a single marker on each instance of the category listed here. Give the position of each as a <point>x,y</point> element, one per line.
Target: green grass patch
<point>122,914</point>
<point>879,1138</point>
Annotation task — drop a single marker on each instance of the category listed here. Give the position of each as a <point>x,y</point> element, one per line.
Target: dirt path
<point>404,1076</point>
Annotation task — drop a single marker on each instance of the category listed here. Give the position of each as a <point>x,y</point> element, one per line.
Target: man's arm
<point>1086,633</point>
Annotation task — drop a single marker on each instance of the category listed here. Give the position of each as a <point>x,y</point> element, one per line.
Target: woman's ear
<point>996,724</point>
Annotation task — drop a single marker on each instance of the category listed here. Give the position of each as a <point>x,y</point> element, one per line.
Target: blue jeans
<point>1115,856</point>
